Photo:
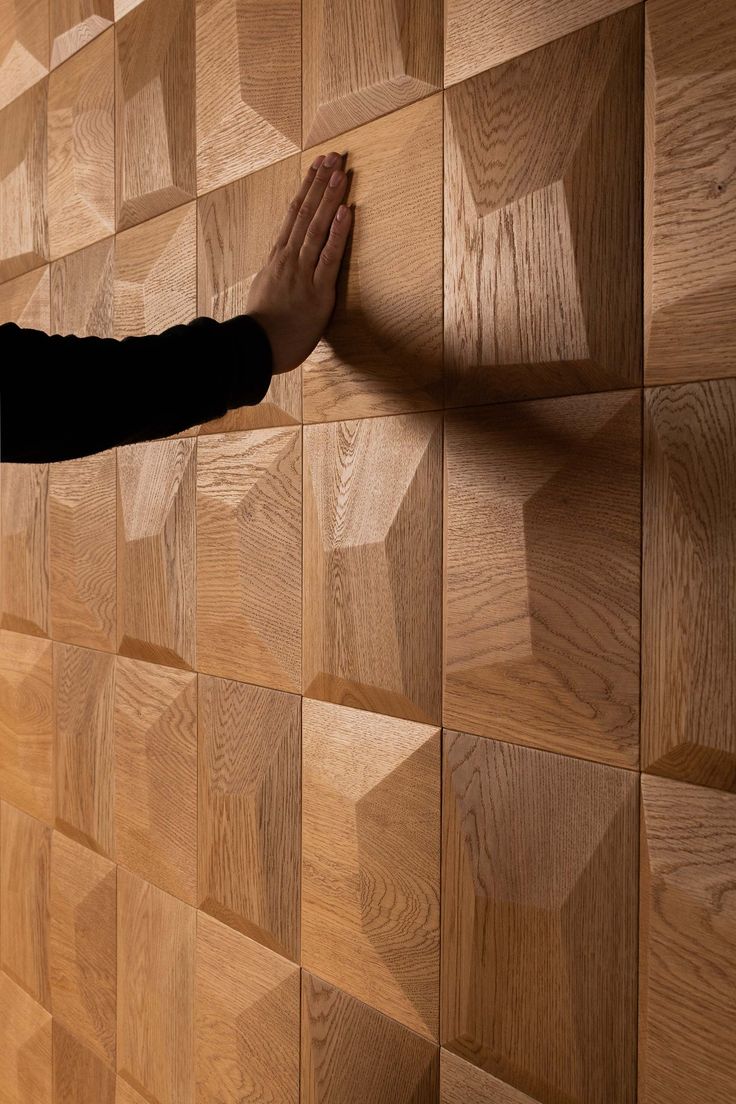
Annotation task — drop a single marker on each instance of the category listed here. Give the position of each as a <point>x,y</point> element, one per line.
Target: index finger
<point>296,203</point>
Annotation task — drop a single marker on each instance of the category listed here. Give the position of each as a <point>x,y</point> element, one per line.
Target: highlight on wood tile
<point>79,1074</point>
<point>382,353</point>
<point>25,300</point>
<point>463,1083</point>
<point>372,564</point>
<point>688,953</point>
<point>25,860</point>
<point>539,920</point>
<point>156,274</point>
<point>24,242</point>
<point>24,569</point>
<point>24,46</point>
<point>249,542</point>
<point>25,1047</point>
<point>371,859</point>
<point>75,23</point>
<point>542,567</point>
<point>82,291</point>
<point>26,724</point>
<point>543,182</point>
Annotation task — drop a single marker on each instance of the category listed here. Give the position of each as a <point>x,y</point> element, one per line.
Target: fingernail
<point>331,159</point>
<point>341,212</point>
<point>336,178</point>
<point>317,162</point>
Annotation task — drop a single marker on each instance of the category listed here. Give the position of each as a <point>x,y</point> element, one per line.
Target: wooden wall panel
<point>24,242</point>
<point>543,182</point>
<point>247,1020</point>
<point>26,724</point>
<point>542,575</point>
<point>24,46</point>
<point>74,23</point>
<point>24,571</point>
<point>80,1077</point>
<point>249,810</point>
<point>125,1094</point>
<point>25,300</point>
<point>371,854</point>
<point>539,922</point>
<point>364,58</point>
<point>82,290</point>
<point>688,932</point>
<point>463,1083</point>
<point>690,287</point>
<point>383,350</point>
<point>156,775</point>
<point>689,623</point>
<point>25,1047</point>
<point>249,520</point>
<point>156,274</point>
<point>372,551</point>
<point>25,861</point>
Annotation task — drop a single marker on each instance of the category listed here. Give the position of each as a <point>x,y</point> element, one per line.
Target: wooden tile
<point>237,226</point>
<point>26,724</point>
<point>249,522</point>
<point>127,1095</point>
<point>539,920</point>
<point>383,350</point>
<point>74,23</point>
<point>365,58</point>
<point>689,618</point>
<point>23,221</point>
<point>82,947</point>
<point>371,855</point>
<point>249,810</point>
<point>247,1020</point>
<point>690,206</point>
<point>25,1047</point>
<point>25,300</point>
<point>24,46</point>
<point>156,972</point>
<point>688,956</point>
<point>156,775</point>
<point>543,185</point>
<point>80,1077</point>
<point>25,859</point>
<point>82,289</point>
<point>372,552</point>
<point>463,1083</point>
<point>122,7</point>
<point>542,574</point>
<point>24,578</point>
<point>156,551</point>
<point>156,274</point>
<point>81,148</point>
<point>351,1054</point>
<point>154,118</point>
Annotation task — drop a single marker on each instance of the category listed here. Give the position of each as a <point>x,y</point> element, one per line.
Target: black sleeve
<point>63,397</point>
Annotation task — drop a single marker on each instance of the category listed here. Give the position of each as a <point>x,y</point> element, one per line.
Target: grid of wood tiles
<point>377,745</point>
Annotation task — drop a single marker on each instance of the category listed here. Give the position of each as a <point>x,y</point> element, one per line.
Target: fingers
<point>319,227</point>
<point>296,203</point>
<point>328,265</point>
<point>310,205</point>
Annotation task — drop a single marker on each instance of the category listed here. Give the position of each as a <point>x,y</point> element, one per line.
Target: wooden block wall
<point>377,745</point>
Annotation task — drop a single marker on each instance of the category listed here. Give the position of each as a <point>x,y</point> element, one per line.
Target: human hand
<point>293,295</point>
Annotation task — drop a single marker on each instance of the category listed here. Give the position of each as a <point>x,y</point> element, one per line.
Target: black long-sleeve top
<point>63,396</point>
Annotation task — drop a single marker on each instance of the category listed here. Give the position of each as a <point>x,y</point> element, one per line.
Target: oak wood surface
<point>26,724</point>
<point>24,571</point>
<point>464,1083</point>
<point>24,240</point>
<point>25,300</point>
<point>80,1076</point>
<point>25,1048</point>
<point>125,1094</point>
<point>25,861</point>
<point>24,46</point>
<point>82,291</point>
<point>75,23</point>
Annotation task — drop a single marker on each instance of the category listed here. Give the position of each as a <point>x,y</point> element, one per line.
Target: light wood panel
<point>156,775</point>
<point>25,1048</point>
<point>690,288</point>
<point>25,300</point>
<point>24,242</point>
<point>365,58</point>
<point>74,23</point>
<point>81,148</point>
<point>237,226</point>
<point>382,353</point>
<point>122,7</point>
<point>689,618</point>
<point>80,1077</point>
<point>247,1020</point>
<point>539,921</point>
<point>463,1083</point>
<point>543,181</point>
<point>26,724</point>
<point>156,978</point>
<point>542,574</point>
<point>249,520</point>
<point>156,552</point>
<point>124,1094</point>
<point>25,860</point>
<point>372,552</point>
<point>24,571</point>
<point>371,859</point>
<point>24,46</point>
<point>688,932</point>
<point>156,274</point>
<point>249,810</point>
<point>82,290</point>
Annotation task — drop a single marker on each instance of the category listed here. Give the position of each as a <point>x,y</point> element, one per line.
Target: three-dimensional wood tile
<point>25,300</point>
<point>247,1019</point>
<point>542,574</point>
<point>689,618</point>
<point>463,1083</point>
<point>25,1047</point>
<point>352,1054</point>
<point>25,861</point>
<point>24,241</point>
<point>82,291</point>
<point>249,545</point>
<point>154,114</point>
<point>156,775</point>
<point>156,274</point>
<point>79,1074</point>
<point>249,810</point>
<point>371,855</point>
<point>74,23</point>
<point>81,199</point>
<point>539,900</point>
<point>125,1094</point>
<point>383,350</point>
<point>237,226</point>
<point>365,58</point>
<point>24,46</point>
<point>26,724</point>
<point>543,183</point>
<point>688,954</point>
<point>156,552</point>
<point>372,564</point>
<point>24,574</point>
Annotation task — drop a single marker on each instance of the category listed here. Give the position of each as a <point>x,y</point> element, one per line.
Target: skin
<point>293,295</point>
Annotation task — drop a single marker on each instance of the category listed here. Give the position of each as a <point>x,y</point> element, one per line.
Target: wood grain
<point>539,940</point>
<point>82,291</point>
<point>24,46</point>
<point>25,861</point>
<point>688,933</point>
<point>156,775</point>
<point>249,810</point>
<point>80,1077</point>
<point>74,23</point>
<point>26,724</point>
<point>25,300</point>
<point>371,855</point>
<point>24,571</point>
<point>122,7</point>
<point>543,180</point>
<point>25,1048</point>
<point>372,552</point>
<point>690,287</point>
<point>124,1094</point>
<point>382,353</point>
<point>247,1020</point>
<point>249,521</point>
<point>24,242</point>
<point>463,1083</point>
<point>156,274</point>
